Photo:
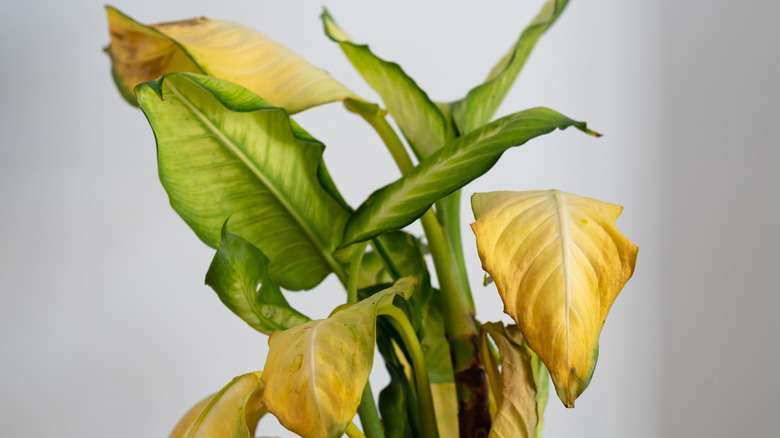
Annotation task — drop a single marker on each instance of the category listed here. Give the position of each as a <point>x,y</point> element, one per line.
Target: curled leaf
<point>558,262</point>
<point>232,412</point>
<point>221,49</point>
<point>315,373</point>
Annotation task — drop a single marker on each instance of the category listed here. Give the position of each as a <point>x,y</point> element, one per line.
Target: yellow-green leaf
<point>232,412</point>
<point>315,373</point>
<point>516,414</point>
<point>445,402</point>
<point>558,262</point>
<point>217,48</point>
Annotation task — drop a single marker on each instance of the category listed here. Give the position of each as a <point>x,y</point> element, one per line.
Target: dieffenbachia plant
<point>252,183</point>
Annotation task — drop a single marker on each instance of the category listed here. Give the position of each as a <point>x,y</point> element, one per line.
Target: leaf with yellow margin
<point>558,262</point>
<point>315,373</point>
<point>221,49</point>
<point>232,412</point>
<point>516,413</point>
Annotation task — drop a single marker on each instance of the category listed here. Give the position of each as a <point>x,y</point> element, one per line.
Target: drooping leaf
<point>223,151</point>
<point>315,373</point>
<point>397,403</point>
<point>481,103</point>
<point>232,412</point>
<point>235,273</point>
<point>434,343</point>
<point>420,120</point>
<point>558,262</point>
<point>516,413</point>
<point>461,161</point>
<point>221,49</point>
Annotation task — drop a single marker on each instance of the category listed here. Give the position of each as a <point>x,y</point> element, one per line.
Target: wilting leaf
<point>223,151</point>
<point>315,373</point>
<point>235,273</point>
<point>434,343</point>
<point>461,161</point>
<point>516,413</point>
<point>418,117</point>
<point>558,262</point>
<point>221,49</point>
<point>232,412</point>
<point>481,103</point>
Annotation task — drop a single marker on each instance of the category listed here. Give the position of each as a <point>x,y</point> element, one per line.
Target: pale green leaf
<point>232,412</point>
<point>417,115</point>
<point>481,103</point>
<point>516,413</point>
<point>221,49</point>
<point>235,273</point>
<point>558,262</point>
<point>461,161</point>
<point>315,373</point>
<point>223,151</point>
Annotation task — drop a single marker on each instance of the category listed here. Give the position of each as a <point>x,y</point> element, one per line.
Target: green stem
<point>354,432</point>
<point>367,411</point>
<point>369,417</point>
<point>375,117</point>
<point>384,254</point>
<point>354,271</point>
<point>422,383</point>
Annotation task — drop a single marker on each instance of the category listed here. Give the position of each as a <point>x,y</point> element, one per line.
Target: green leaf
<point>222,49</point>
<point>396,400</point>
<point>516,414</point>
<point>232,412</point>
<point>435,347</point>
<point>417,115</point>
<point>461,161</point>
<point>542,380</point>
<point>235,273</point>
<point>315,373</point>
<point>223,151</point>
<point>406,253</point>
<point>481,103</point>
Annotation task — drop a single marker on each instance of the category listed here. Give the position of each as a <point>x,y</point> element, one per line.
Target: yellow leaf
<point>445,403</point>
<point>221,49</point>
<point>516,414</point>
<point>232,412</point>
<point>558,262</point>
<point>315,373</point>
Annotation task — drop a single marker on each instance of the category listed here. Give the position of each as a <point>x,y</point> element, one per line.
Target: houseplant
<point>252,183</point>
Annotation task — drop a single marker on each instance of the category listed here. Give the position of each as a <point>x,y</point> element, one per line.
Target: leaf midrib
<point>563,214</point>
<point>234,149</point>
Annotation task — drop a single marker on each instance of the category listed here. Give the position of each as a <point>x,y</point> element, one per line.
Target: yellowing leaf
<point>516,414</point>
<point>221,49</point>
<point>445,403</point>
<point>558,262</point>
<point>232,412</point>
<point>315,373</point>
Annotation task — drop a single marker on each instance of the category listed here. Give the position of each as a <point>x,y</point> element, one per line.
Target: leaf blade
<point>558,262</point>
<point>221,49</point>
<point>419,118</point>
<point>461,161</point>
<point>307,387</point>
<point>481,103</point>
<point>223,151</point>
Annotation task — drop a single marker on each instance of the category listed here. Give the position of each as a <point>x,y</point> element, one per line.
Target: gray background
<point>106,326</point>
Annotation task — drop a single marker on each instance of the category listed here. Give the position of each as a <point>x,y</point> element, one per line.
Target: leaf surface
<point>481,103</point>
<point>420,120</point>
<point>461,161</point>
<point>221,49</point>
<point>558,262</point>
<point>236,271</point>
<point>315,373</point>
<point>223,151</point>
<point>232,412</point>
<point>516,413</point>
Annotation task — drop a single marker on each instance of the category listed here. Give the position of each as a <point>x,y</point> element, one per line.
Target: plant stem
<point>354,432</point>
<point>354,271</point>
<point>380,249</point>
<point>471,382</point>
<point>367,411</point>
<point>422,383</point>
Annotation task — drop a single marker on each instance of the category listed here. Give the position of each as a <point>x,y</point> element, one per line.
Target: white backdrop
<point>106,326</point>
